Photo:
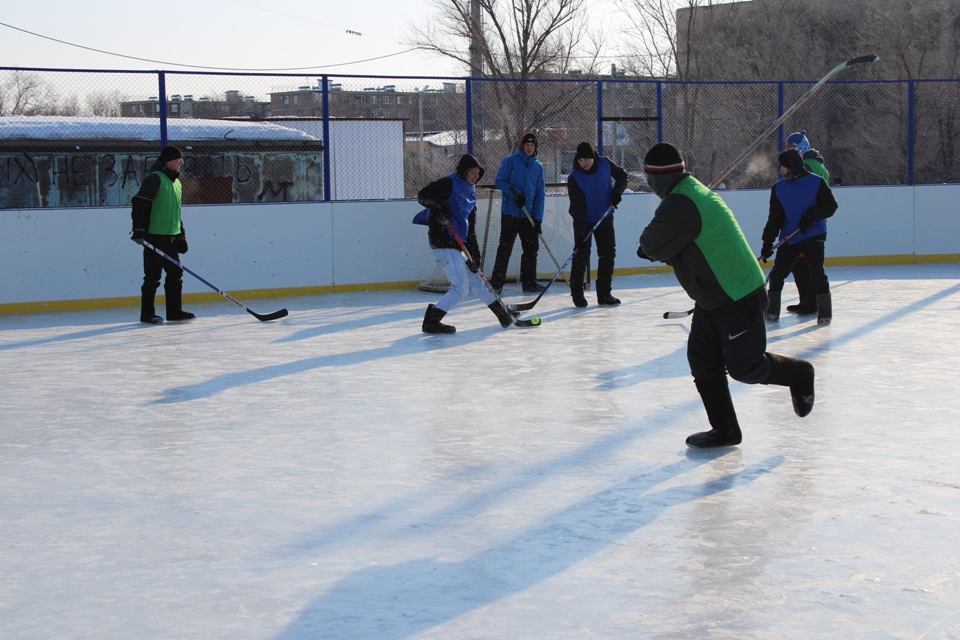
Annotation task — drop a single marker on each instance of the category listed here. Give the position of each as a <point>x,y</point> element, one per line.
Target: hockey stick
<point>526,306</point>
<point>545,245</point>
<point>668,315</point>
<point>787,113</point>
<point>672,315</point>
<point>262,317</point>
<point>532,322</point>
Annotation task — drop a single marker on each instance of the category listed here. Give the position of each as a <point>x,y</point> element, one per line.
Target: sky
<point>223,34</point>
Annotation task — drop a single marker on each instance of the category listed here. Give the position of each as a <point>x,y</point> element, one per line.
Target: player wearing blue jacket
<point>800,200</point>
<point>520,179</point>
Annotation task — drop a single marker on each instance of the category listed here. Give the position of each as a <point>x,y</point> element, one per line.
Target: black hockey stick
<point>526,306</point>
<point>532,322</point>
<point>787,113</point>
<point>673,315</point>
<point>262,317</point>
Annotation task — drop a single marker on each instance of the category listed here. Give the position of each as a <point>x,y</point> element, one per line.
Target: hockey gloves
<point>180,242</point>
<point>805,221</point>
<point>471,265</point>
<point>766,251</point>
<point>615,198</point>
<point>641,254</point>
<point>520,199</point>
<point>138,236</point>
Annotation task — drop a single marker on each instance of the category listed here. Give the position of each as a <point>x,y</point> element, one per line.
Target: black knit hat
<point>584,150</point>
<point>663,157</point>
<point>529,137</point>
<point>792,160</point>
<point>169,153</point>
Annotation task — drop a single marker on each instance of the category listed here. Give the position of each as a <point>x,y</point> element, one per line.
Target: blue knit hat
<point>799,140</point>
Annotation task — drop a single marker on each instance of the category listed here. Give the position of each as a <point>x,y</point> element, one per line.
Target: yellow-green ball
<point>535,320</point>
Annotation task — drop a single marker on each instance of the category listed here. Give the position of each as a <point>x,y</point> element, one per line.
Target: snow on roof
<point>104,128</point>
<point>450,138</point>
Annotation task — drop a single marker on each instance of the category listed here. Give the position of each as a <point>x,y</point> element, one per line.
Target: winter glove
<point>615,198</point>
<point>805,221</point>
<point>520,199</point>
<point>180,242</point>
<point>471,265</point>
<point>766,251</point>
<point>641,254</point>
<point>138,236</point>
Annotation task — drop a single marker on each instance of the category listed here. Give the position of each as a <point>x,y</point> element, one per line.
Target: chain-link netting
<point>84,139</point>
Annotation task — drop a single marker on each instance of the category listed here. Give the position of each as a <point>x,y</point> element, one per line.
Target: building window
<point>174,108</point>
<point>295,99</point>
<point>286,99</point>
<point>399,99</point>
<point>387,100</point>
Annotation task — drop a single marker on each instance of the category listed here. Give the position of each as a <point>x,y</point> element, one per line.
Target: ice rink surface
<point>338,474</point>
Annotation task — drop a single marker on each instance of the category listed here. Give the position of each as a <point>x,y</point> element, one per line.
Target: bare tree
<point>514,38</point>
<point>25,94</point>
<point>106,103</point>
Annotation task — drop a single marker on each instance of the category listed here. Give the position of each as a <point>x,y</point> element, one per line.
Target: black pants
<point>606,241</point>
<point>786,258</point>
<point>731,340</point>
<point>153,267</point>
<point>510,228</point>
<point>805,289</point>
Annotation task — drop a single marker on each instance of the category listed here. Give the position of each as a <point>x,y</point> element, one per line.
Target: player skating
<point>695,232</point>
<point>801,201</point>
<point>451,201</point>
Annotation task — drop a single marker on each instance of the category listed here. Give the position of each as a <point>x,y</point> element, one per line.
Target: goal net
<point>557,230</point>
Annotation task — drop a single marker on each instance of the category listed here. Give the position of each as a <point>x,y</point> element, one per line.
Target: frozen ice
<point>338,474</point>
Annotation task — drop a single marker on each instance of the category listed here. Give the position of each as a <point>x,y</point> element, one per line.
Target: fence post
<point>779,113</point>
<point>911,129</point>
<point>162,88</point>
<point>325,102</point>
<point>659,112</point>
<point>468,96</point>
<point>599,117</point>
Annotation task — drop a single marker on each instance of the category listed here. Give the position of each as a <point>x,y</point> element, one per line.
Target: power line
<point>195,66</point>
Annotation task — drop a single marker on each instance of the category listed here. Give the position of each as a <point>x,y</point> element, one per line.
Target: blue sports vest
<point>462,200</point>
<point>796,197</point>
<point>596,189</point>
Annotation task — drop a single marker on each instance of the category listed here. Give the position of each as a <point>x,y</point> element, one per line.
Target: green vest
<point>722,242</point>
<point>818,168</point>
<point>165,211</point>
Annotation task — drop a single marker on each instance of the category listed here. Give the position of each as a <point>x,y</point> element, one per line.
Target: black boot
<point>773,306</point>
<point>607,300</point>
<point>432,324</point>
<point>824,308</point>
<point>175,312</point>
<point>504,316</point>
<point>799,376</point>
<point>577,293</point>
<point>148,313</point>
<point>725,431</point>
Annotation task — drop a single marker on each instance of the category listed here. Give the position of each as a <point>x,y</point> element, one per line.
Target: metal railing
<point>85,138</point>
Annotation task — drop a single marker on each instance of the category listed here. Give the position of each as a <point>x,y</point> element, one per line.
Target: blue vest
<point>462,201</point>
<point>596,188</point>
<point>796,197</point>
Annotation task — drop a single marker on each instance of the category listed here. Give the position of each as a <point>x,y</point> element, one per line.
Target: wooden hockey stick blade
<point>673,315</point>
<point>265,317</point>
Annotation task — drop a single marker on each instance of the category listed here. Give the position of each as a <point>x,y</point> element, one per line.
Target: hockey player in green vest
<point>695,232</point>
<point>156,219</point>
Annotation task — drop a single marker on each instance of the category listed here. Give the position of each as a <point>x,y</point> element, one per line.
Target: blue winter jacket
<point>521,173</point>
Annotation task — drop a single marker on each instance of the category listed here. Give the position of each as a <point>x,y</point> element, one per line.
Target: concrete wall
<point>76,258</point>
